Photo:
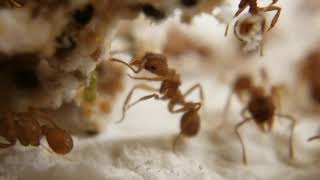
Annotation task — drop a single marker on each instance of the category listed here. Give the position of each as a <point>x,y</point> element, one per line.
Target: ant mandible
<point>27,130</point>
<point>261,107</point>
<point>255,10</point>
<point>169,90</point>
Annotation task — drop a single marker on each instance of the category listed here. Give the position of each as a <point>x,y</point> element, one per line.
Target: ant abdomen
<point>58,139</point>
<point>190,123</point>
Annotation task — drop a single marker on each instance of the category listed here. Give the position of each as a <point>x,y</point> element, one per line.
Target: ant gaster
<point>261,108</point>
<point>255,10</point>
<point>169,90</point>
<point>27,130</point>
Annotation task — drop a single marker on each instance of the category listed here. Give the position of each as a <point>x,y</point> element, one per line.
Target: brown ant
<point>310,73</point>
<point>261,107</point>
<point>169,90</point>
<point>254,10</point>
<point>28,131</point>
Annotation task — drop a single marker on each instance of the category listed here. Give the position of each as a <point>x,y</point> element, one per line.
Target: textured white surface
<point>140,147</point>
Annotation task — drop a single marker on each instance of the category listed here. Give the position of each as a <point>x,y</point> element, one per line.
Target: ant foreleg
<point>128,98</point>
<point>276,17</point>
<point>144,98</point>
<point>293,124</point>
<point>128,65</point>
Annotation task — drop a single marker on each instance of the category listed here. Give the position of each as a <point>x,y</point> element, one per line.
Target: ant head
<point>243,83</point>
<point>155,63</point>
<point>190,123</point>
<point>58,139</point>
<point>257,91</point>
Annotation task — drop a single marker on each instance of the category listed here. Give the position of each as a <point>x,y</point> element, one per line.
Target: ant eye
<point>83,16</point>
<point>152,12</point>
<point>26,79</point>
<point>189,3</point>
<point>153,68</point>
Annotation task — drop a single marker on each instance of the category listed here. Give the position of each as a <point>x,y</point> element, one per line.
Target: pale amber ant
<point>169,90</point>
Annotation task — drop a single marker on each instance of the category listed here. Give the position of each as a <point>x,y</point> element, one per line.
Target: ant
<point>254,10</point>
<point>169,90</point>
<point>310,73</point>
<point>261,108</point>
<point>25,128</point>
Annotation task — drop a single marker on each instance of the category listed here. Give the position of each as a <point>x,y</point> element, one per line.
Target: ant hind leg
<point>236,129</point>
<point>293,124</point>
<point>175,142</point>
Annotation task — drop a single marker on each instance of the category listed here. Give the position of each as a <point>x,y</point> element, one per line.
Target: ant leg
<point>186,107</point>
<point>244,157</point>
<point>293,124</point>
<point>273,2</point>
<point>240,10</point>
<point>2,145</point>
<point>144,98</point>
<point>128,98</point>
<point>148,78</point>
<point>276,92</point>
<point>226,31</point>
<point>235,31</point>
<point>53,153</point>
<point>276,17</point>
<point>175,142</point>
<point>314,138</point>
<point>128,65</point>
<point>194,87</point>
<point>227,105</point>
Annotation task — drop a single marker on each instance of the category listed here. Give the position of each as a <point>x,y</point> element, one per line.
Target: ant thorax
<point>250,29</point>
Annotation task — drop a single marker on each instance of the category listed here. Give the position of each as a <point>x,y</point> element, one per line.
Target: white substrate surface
<point>141,146</point>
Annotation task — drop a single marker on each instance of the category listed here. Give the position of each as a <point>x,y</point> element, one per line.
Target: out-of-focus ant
<point>25,128</point>
<point>246,26</point>
<point>260,107</point>
<point>169,90</point>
